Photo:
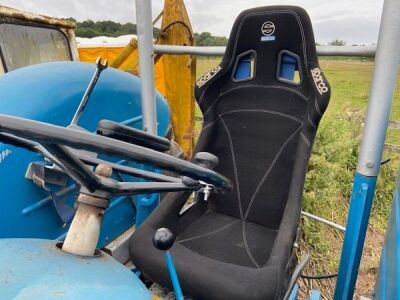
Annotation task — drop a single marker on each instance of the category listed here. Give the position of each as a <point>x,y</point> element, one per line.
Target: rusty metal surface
<point>180,73</point>
<point>66,26</point>
<point>12,13</point>
<point>93,201</point>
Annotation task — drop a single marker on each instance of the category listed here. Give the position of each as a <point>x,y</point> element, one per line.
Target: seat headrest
<point>267,46</point>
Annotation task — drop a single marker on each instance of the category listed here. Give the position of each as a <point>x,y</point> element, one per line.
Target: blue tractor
<point>88,192</point>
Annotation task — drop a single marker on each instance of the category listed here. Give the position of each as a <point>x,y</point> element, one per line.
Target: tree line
<point>89,29</point>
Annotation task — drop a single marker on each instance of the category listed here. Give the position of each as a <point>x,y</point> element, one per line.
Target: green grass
<point>330,175</point>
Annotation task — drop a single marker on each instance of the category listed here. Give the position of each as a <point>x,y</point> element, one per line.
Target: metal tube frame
<point>146,62</point>
<point>380,101</point>
<point>364,51</point>
<point>323,221</point>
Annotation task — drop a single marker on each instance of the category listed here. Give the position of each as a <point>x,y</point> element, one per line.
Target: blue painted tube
<point>174,276</point>
<point>295,293</point>
<point>357,222</point>
<point>145,204</point>
<point>315,295</point>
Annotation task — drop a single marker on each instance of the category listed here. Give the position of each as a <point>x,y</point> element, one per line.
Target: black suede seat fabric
<point>239,245</point>
<point>206,234</point>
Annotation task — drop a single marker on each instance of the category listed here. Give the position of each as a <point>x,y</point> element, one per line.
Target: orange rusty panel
<point>91,54</point>
<point>180,73</point>
<point>175,75</point>
<point>130,65</point>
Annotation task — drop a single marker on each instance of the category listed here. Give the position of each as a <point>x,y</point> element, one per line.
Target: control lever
<point>206,190</point>
<point>207,160</point>
<point>100,66</point>
<point>163,240</point>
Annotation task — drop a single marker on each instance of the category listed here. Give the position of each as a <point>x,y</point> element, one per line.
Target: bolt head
<point>370,164</point>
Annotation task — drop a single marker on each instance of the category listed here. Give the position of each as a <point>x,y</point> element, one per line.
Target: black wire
<point>179,22</point>
<point>319,277</point>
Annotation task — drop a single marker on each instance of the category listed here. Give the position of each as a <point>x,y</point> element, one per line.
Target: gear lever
<point>163,240</point>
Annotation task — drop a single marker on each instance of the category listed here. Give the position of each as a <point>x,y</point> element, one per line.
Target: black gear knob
<point>163,239</point>
<point>206,159</point>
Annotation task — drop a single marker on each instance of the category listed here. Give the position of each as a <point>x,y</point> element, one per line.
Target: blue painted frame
<point>357,222</point>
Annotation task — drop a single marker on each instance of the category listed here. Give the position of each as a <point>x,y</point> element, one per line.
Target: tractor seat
<point>261,106</point>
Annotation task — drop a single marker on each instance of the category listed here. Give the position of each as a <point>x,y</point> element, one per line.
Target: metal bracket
<point>119,248</point>
<point>195,197</point>
<point>51,175</point>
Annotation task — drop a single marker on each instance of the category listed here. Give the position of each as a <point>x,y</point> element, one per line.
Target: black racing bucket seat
<point>261,108</point>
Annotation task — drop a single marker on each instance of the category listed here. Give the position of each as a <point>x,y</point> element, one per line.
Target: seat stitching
<point>246,246</point>
<point>274,86</point>
<point>267,172</point>
<point>252,110</point>
<point>254,85</point>
<point>208,233</point>
<point>234,166</point>
<point>317,106</point>
<point>237,37</point>
<point>305,139</point>
<point>238,192</point>
<point>311,122</point>
<point>289,89</point>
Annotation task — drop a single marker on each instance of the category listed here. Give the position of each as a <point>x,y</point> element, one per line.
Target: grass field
<point>330,175</point>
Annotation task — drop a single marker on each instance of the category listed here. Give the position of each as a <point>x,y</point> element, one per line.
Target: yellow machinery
<point>175,75</point>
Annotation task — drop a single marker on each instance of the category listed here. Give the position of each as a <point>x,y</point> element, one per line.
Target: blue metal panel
<point>357,222</point>
<point>37,269</point>
<point>145,205</point>
<point>387,285</point>
<point>51,93</point>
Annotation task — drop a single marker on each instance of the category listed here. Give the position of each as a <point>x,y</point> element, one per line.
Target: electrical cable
<point>319,277</point>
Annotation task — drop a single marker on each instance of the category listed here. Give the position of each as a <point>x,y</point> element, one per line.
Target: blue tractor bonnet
<point>51,93</point>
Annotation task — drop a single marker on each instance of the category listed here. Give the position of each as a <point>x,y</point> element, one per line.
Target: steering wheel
<point>54,142</point>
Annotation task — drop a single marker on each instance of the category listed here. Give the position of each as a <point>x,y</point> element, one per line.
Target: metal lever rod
<point>100,66</point>
<point>38,148</point>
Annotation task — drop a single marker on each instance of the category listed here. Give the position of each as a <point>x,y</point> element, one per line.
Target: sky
<point>354,21</point>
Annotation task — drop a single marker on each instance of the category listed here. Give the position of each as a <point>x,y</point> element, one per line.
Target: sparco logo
<point>203,80</point>
<point>319,81</point>
<point>268,28</point>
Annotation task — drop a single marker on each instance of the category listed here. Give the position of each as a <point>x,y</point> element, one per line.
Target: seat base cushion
<point>204,276</point>
<point>249,244</point>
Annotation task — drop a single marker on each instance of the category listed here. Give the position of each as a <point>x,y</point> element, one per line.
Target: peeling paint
<point>8,12</point>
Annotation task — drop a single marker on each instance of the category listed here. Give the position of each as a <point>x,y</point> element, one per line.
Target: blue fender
<point>51,93</point>
<point>37,269</point>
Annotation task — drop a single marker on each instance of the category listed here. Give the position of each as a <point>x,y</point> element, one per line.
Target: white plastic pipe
<point>84,232</point>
